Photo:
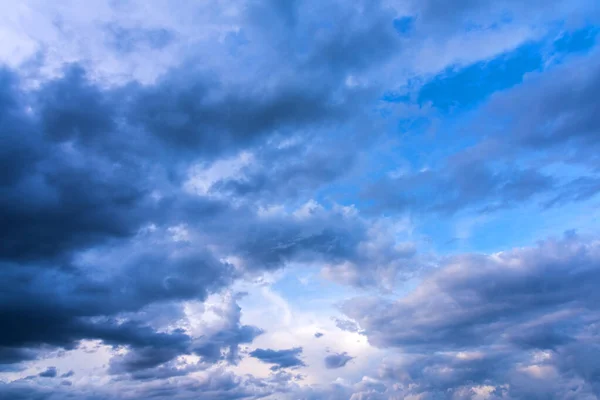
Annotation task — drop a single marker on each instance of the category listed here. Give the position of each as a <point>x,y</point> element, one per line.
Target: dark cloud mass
<point>92,185</point>
<point>49,373</point>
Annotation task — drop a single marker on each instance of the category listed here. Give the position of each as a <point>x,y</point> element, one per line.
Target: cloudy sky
<point>299,199</point>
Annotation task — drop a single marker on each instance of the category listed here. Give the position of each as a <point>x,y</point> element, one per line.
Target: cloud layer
<point>302,199</point>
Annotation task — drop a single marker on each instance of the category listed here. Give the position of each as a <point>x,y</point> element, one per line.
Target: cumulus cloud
<point>484,318</point>
<point>93,184</point>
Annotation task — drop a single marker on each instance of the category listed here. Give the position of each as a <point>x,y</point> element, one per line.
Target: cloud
<point>461,184</point>
<point>346,325</point>
<point>435,14</point>
<point>561,108</point>
<point>480,318</point>
<point>281,358</point>
<point>92,186</point>
<point>50,372</point>
<point>337,360</point>
<point>222,340</point>
<point>130,39</point>
<point>533,132</point>
<point>154,157</point>
<point>214,384</point>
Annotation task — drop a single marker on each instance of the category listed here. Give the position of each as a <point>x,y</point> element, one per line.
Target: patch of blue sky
<point>404,25</point>
<point>306,285</point>
<point>507,228</point>
<point>461,88</point>
<point>580,40</point>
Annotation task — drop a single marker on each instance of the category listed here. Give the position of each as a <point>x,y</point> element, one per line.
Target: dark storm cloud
<point>195,114</point>
<point>11,355</point>
<point>44,211</point>
<point>88,170</point>
<point>337,360</point>
<point>194,111</point>
<point>56,307</point>
<point>288,358</point>
<point>100,241</point>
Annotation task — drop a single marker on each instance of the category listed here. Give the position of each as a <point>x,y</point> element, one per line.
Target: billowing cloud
<point>481,319</point>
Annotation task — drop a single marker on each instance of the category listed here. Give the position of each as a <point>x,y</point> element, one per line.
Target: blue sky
<point>300,199</point>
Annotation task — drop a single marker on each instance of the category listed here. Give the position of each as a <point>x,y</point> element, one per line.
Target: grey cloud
<point>296,170</point>
<point>218,384</point>
<point>436,15</point>
<point>460,184</point>
<point>346,325</point>
<point>544,122</point>
<point>80,171</point>
<point>480,299</point>
<point>50,372</point>
<point>67,140</point>
<point>187,113</point>
<point>59,312</point>
<point>337,360</point>
<point>142,359</point>
<point>366,37</point>
<point>11,355</point>
<point>561,111</point>
<point>223,342</point>
<point>130,39</point>
<point>280,358</point>
<point>578,189</point>
<point>479,319</point>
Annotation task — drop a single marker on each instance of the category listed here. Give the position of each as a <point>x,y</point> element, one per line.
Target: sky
<point>300,199</point>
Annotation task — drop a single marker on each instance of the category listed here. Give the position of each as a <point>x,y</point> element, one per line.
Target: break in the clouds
<point>299,200</point>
